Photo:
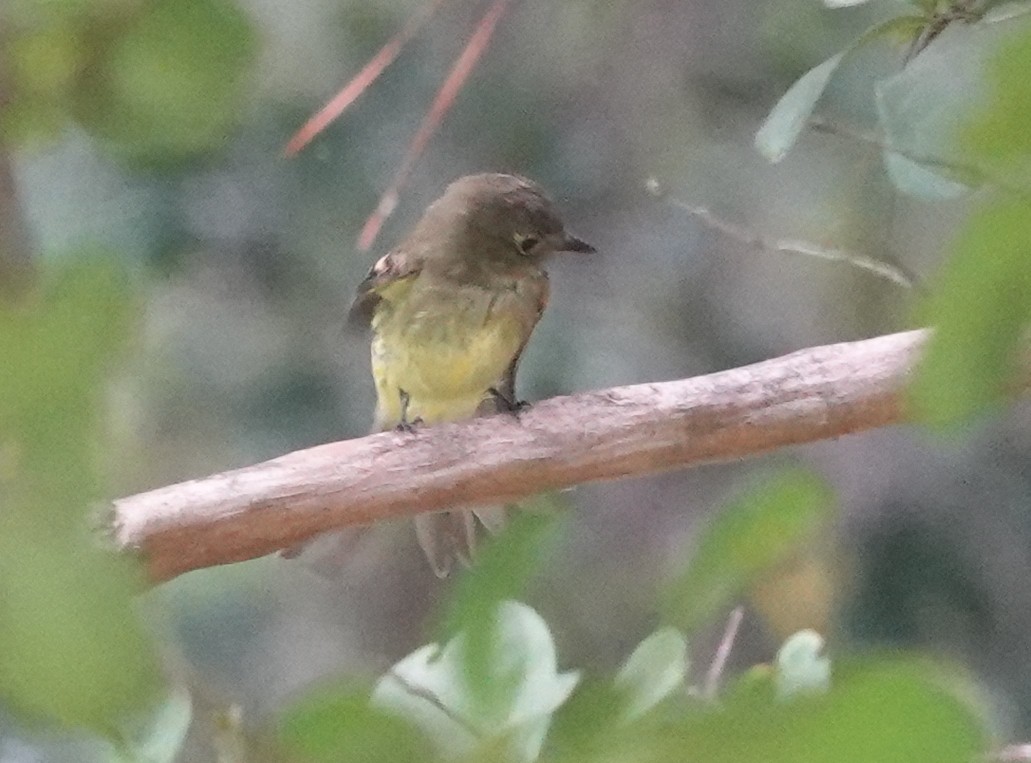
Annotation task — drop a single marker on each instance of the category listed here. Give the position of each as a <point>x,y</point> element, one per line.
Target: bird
<point>451,310</point>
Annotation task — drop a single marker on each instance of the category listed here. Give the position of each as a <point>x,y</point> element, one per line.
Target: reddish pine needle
<point>384,58</point>
<point>442,103</point>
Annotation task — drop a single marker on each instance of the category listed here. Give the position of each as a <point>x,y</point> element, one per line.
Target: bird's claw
<point>408,427</point>
<point>508,404</point>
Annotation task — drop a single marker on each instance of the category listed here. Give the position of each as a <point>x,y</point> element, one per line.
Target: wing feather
<point>389,269</point>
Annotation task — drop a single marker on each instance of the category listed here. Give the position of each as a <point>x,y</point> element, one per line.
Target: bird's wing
<point>392,271</point>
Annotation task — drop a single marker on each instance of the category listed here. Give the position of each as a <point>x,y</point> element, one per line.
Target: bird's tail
<point>450,537</point>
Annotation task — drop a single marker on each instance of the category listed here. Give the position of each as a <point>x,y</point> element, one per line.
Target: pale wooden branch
<point>809,395</point>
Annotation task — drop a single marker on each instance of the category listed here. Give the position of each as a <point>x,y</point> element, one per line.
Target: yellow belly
<point>446,366</point>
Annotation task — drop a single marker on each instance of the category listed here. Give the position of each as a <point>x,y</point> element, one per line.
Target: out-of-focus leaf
<point>1005,11</point>
<point>982,303</point>
<point>342,726</point>
<point>926,109</point>
<point>801,666</point>
<point>979,310</point>
<point>34,13</point>
<point>502,571</point>
<point>40,64</point>
<point>431,688</point>
<point>875,711</point>
<point>71,648</point>
<point>228,738</point>
<point>590,722</point>
<point>921,180</point>
<point>655,669</point>
<point>157,737</point>
<point>998,137</point>
<point>44,62</point>
<point>843,3</point>
<point>753,533</point>
<point>789,116</point>
<point>171,83</point>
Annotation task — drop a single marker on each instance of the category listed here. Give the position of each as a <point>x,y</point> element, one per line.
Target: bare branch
<point>362,80</point>
<point>476,46</point>
<point>881,268</point>
<point>809,395</point>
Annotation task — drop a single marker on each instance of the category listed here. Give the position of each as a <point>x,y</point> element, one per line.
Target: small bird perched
<point>451,310</point>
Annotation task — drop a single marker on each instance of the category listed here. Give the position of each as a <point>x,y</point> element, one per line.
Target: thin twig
<point>361,81</point>
<point>719,659</point>
<point>442,103</point>
<point>889,271</point>
<point>960,10</point>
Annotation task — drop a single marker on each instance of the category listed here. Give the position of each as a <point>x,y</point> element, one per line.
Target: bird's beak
<point>571,243</point>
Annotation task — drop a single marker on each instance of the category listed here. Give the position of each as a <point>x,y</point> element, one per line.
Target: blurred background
<point>244,263</point>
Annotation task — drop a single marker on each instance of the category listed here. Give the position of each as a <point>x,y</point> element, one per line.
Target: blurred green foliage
<point>503,570</point>
<point>876,710</point>
<point>872,710</point>
<point>979,308</point>
<point>340,725</point>
<point>763,527</point>
<point>954,118</point>
<point>981,305</point>
<point>71,648</point>
<point>157,81</point>
<point>998,138</point>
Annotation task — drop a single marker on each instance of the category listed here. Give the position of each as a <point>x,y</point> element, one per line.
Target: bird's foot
<point>408,427</point>
<point>405,425</point>
<point>507,404</point>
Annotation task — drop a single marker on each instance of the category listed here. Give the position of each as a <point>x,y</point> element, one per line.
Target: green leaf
<point>341,725</point>
<point>801,666</point>
<point>502,571</point>
<point>71,648</point>
<point>920,180</point>
<point>157,736</point>
<point>997,137</point>
<point>753,533</point>
<point>171,84</point>
<point>979,309</point>
<point>655,670</point>
<point>956,108</point>
<point>789,116</point>
<point>876,711</point>
<point>590,723</point>
<point>431,688</point>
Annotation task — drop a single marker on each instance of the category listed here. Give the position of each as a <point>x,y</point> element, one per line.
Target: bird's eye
<point>526,244</point>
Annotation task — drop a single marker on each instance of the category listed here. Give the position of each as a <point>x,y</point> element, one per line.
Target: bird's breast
<point>445,348</point>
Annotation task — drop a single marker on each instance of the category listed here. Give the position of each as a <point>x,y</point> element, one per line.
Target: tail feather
<point>448,538</point>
